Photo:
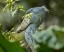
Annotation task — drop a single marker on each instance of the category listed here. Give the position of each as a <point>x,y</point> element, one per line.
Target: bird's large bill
<point>24,24</point>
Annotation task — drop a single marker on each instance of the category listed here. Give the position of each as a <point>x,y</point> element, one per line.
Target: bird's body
<point>28,33</point>
<point>37,16</point>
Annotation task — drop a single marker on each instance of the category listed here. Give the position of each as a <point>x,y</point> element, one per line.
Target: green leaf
<point>10,7</point>
<point>22,10</point>
<point>44,48</point>
<point>1,49</point>
<point>53,37</point>
<point>19,6</point>
<point>8,46</point>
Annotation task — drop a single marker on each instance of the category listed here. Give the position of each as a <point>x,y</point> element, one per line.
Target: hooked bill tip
<point>45,9</point>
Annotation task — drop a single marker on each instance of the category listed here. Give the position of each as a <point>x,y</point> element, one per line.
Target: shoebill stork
<point>32,19</point>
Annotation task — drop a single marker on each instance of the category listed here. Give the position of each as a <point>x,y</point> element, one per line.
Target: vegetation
<point>50,39</point>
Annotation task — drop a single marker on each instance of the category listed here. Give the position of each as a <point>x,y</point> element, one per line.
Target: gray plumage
<point>36,18</point>
<point>41,11</point>
<point>30,30</point>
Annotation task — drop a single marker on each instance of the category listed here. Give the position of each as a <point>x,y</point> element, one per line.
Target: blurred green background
<point>55,16</point>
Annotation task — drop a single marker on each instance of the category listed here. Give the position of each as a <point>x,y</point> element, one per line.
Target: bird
<point>32,20</point>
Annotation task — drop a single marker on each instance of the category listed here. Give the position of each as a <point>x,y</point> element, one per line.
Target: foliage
<point>49,40</point>
<point>8,46</point>
<point>10,5</point>
<point>52,37</point>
